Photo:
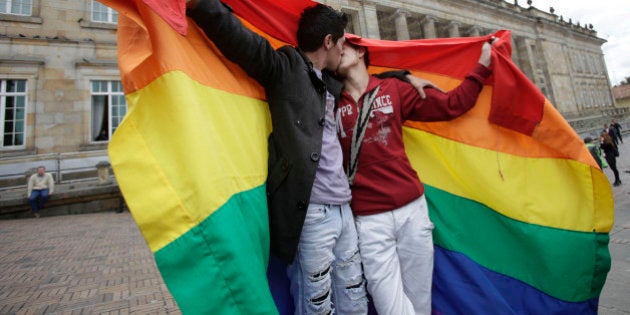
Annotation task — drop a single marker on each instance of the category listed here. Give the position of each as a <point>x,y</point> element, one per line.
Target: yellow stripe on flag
<point>227,157</point>
<point>544,191</point>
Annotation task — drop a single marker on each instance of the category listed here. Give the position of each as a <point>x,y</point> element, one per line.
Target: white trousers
<point>397,251</point>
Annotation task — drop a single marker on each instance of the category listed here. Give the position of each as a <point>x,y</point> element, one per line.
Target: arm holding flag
<point>251,51</point>
<point>446,106</point>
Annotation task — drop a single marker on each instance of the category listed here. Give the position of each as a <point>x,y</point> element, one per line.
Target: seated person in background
<point>40,187</point>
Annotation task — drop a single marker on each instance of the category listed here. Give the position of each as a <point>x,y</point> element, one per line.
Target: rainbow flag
<point>521,210</point>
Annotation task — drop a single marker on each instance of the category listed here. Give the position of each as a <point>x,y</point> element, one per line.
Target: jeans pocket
<point>315,214</point>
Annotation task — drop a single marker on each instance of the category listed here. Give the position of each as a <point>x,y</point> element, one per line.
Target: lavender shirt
<point>331,184</point>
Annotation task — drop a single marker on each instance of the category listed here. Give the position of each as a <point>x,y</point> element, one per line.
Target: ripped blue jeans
<point>326,275</point>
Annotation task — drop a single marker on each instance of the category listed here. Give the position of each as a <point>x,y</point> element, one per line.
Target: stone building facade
<point>59,86</point>
<point>564,58</point>
<point>61,95</point>
<point>622,94</point>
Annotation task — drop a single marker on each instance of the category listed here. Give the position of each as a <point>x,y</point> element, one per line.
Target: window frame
<point>9,6</point>
<point>110,13</point>
<point>111,94</point>
<point>3,96</point>
<point>87,22</point>
<point>32,18</point>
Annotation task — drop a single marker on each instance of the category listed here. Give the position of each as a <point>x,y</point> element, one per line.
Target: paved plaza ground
<point>615,298</point>
<point>79,264</point>
<point>100,264</point>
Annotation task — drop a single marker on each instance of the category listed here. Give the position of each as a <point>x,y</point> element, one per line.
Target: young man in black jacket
<point>311,223</point>
<point>310,220</point>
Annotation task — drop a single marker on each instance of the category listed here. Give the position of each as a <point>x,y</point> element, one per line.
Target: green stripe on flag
<point>224,259</point>
<point>567,265</point>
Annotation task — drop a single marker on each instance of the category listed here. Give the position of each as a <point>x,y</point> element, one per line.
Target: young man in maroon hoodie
<point>391,214</point>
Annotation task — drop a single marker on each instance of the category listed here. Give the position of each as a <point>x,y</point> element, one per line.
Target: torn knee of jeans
<point>355,286</point>
<point>356,290</point>
<point>319,300</point>
<point>318,276</point>
<point>353,258</point>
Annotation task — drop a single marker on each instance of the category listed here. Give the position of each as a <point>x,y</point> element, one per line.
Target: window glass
<point>108,109</point>
<point>12,112</point>
<point>17,7</point>
<point>103,14</point>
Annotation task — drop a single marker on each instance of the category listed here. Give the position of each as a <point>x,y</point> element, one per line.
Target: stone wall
<point>57,52</point>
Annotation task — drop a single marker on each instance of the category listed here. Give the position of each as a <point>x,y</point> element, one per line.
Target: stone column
<point>402,31</point>
<point>371,18</point>
<point>524,55</point>
<point>474,31</point>
<point>428,27</point>
<point>453,29</point>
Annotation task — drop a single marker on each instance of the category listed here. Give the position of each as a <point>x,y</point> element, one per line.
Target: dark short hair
<point>366,55</point>
<point>318,21</point>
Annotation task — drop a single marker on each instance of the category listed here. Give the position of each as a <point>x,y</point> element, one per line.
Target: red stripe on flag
<point>517,103</point>
<point>173,12</point>
<point>278,18</point>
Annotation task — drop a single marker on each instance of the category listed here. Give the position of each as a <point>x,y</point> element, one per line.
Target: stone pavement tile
<point>11,305</point>
<point>43,305</point>
<point>614,299</point>
<point>81,264</point>
<point>113,307</point>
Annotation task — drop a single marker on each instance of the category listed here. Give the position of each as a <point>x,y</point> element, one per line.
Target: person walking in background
<point>617,126</point>
<point>611,153</point>
<point>610,130</point>
<point>596,152</point>
<point>40,187</point>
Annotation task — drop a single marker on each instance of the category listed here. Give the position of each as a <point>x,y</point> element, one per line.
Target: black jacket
<point>296,99</point>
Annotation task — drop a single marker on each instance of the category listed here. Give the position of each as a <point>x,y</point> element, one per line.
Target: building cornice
<point>23,60</point>
<point>94,63</point>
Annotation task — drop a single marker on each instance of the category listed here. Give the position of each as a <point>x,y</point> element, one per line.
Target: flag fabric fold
<point>173,13</point>
<point>521,210</point>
